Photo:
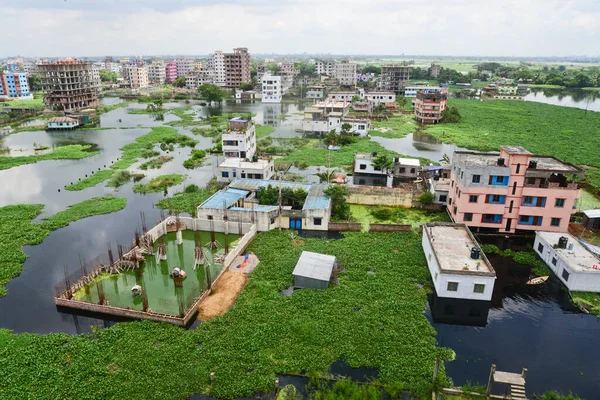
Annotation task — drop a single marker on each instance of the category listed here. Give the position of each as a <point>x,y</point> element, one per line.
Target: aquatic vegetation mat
<point>159,184</point>
<point>91,181</point>
<point>18,230</point>
<point>185,202</point>
<point>376,321</point>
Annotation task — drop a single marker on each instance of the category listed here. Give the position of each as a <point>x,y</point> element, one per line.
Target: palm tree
<point>327,176</point>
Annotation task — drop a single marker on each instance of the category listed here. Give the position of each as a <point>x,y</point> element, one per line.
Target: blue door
<point>292,223</point>
<point>298,224</point>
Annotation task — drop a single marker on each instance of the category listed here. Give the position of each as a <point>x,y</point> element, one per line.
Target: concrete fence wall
<point>344,226</point>
<point>241,246</point>
<point>383,196</point>
<point>389,228</point>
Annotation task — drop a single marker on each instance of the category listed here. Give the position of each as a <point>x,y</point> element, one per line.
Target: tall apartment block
<point>170,71</point>
<point>394,77</point>
<point>237,67</point>
<point>14,84</point>
<point>240,139</point>
<point>429,104</point>
<point>512,191</point>
<point>216,63</point>
<point>70,85</point>
<point>345,73</point>
<point>137,77</point>
<point>435,70</point>
<point>157,72</point>
<point>184,66</point>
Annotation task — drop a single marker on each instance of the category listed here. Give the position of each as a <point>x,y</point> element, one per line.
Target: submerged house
<point>458,267</point>
<point>238,202</point>
<point>576,266</point>
<point>63,123</point>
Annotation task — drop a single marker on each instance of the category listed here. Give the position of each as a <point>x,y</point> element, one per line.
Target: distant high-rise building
<point>324,67</point>
<point>170,71</point>
<point>157,72</point>
<point>434,70</point>
<point>345,73</point>
<point>230,69</point>
<point>184,65</point>
<point>70,85</point>
<point>394,77</point>
<point>137,77</point>
<point>14,84</point>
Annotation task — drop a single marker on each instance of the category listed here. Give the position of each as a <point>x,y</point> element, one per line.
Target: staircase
<point>517,392</point>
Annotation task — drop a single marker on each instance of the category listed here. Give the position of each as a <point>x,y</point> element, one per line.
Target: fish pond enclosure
<point>163,276</point>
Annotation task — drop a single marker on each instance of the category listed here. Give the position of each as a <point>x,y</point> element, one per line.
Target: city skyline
<point>499,28</point>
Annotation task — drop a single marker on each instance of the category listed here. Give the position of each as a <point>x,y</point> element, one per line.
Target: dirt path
<point>223,295</point>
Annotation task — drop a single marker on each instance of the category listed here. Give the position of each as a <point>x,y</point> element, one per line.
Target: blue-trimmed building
<point>238,203</point>
<point>14,84</point>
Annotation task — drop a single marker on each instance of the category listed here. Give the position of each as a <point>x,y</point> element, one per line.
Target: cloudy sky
<point>430,27</point>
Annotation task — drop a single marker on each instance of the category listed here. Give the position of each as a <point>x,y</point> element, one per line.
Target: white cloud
<point>441,27</point>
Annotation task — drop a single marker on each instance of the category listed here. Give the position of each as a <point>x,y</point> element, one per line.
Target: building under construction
<point>394,77</point>
<point>70,85</point>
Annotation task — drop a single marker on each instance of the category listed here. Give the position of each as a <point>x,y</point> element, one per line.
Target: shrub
<point>119,178</point>
<point>426,198</point>
<point>381,213</point>
<point>192,189</point>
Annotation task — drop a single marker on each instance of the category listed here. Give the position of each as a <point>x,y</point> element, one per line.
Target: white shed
<point>313,270</point>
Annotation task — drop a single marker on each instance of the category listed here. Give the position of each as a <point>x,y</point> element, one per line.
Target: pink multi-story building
<point>429,104</point>
<point>512,191</point>
<point>171,71</point>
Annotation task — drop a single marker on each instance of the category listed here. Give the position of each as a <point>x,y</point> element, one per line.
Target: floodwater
<point>584,99</point>
<point>534,327</point>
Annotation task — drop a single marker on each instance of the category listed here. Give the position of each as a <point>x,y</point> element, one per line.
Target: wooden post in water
<point>144,300</point>
<point>488,390</point>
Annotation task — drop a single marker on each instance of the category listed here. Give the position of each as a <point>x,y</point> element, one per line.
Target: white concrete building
<point>324,67</point>
<point>365,173</point>
<point>316,121</point>
<point>458,267</point>
<point>113,67</point>
<point>406,169</point>
<point>233,168</point>
<point>380,97</point>
<point>576,266</point>
<point>136,77</point>
<point>216,63</point>
<point>411,91</point>
<point>238,203</point>
<point>96,76</point>
<point>275,87</point>
<point>440,189</point>
<point>184,66</point>
<point>240,139</point>
<point>345,73</point>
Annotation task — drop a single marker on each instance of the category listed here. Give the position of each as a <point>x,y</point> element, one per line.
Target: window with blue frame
<point>530,220</point>
<point>495,199</point>
<point>491,218</point>
<point>498,180</point>
<point>533,201</point>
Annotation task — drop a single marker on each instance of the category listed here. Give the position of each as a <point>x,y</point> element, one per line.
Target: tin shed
<point>313,270</point>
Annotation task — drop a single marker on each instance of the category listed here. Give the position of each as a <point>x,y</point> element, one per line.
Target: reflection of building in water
<point>459,311</point>
<point>272,114</point>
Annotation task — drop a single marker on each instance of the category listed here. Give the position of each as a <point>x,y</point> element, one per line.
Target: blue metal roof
<point>316,198</point>
<point>227,197</point>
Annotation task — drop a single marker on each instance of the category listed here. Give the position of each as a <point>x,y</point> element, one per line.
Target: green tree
<point>108,76</point>
<point>155,106</point>
<point>372,69</point>
<point>327,176</point>
<point>274,68</point>
<point>451,114</point>
<point>383,163</point>
<point>179,82</point>
<point>246,86</point>
<point>355,98</point>
<point>210,92</point>
<point>35,83</point>
<point>305,69</point>
<point>339,209</point>
<point>426,198</point>
<point>401,101</point>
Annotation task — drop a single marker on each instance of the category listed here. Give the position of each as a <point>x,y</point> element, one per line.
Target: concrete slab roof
<point>234,162</point>
<point>315,266</point>
<point>452,244</point>
<point>578,258</point>
<point>516,150</point>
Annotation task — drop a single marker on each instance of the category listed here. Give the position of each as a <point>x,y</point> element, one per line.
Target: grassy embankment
<point>398,126</point>
<point>159,184</point>
<point>17,230</point>
<point>188,200</point>
<point>143,147</point>
<point>587,301</point>
<point>263,130</point>
<point>263,334</point>
<point>571,134</point>
<point>69,152</point>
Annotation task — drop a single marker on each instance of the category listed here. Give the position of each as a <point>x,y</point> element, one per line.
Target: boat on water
<point>538,280</point>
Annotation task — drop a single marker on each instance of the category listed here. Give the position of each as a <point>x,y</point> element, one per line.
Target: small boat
<point>538,280</point>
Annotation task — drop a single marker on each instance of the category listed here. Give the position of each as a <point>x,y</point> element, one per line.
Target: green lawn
<point>38,104</point>
<point>17,230</point>
<point>373,320</point>
<point>185,202</point>
<point>397,126</point>
<point>263,130</point>
<point>571,134</point>
<point>394,215</point>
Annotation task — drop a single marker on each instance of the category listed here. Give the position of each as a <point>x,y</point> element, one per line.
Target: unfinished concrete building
<point>70,85</point>
<point>394,77</point>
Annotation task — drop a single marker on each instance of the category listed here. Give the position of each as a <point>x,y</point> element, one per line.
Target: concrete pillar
<point>179,236</point>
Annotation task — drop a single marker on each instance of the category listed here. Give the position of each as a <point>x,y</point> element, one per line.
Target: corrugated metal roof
<point>256,208</point>
<point>316,198</point>
<point>62,119</point>
<point>229,197</point>
<point>592,213</point>
<point>315,266</point>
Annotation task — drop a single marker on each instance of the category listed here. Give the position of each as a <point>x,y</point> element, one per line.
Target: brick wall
<point>389,228</point>
<point>344,226</point>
